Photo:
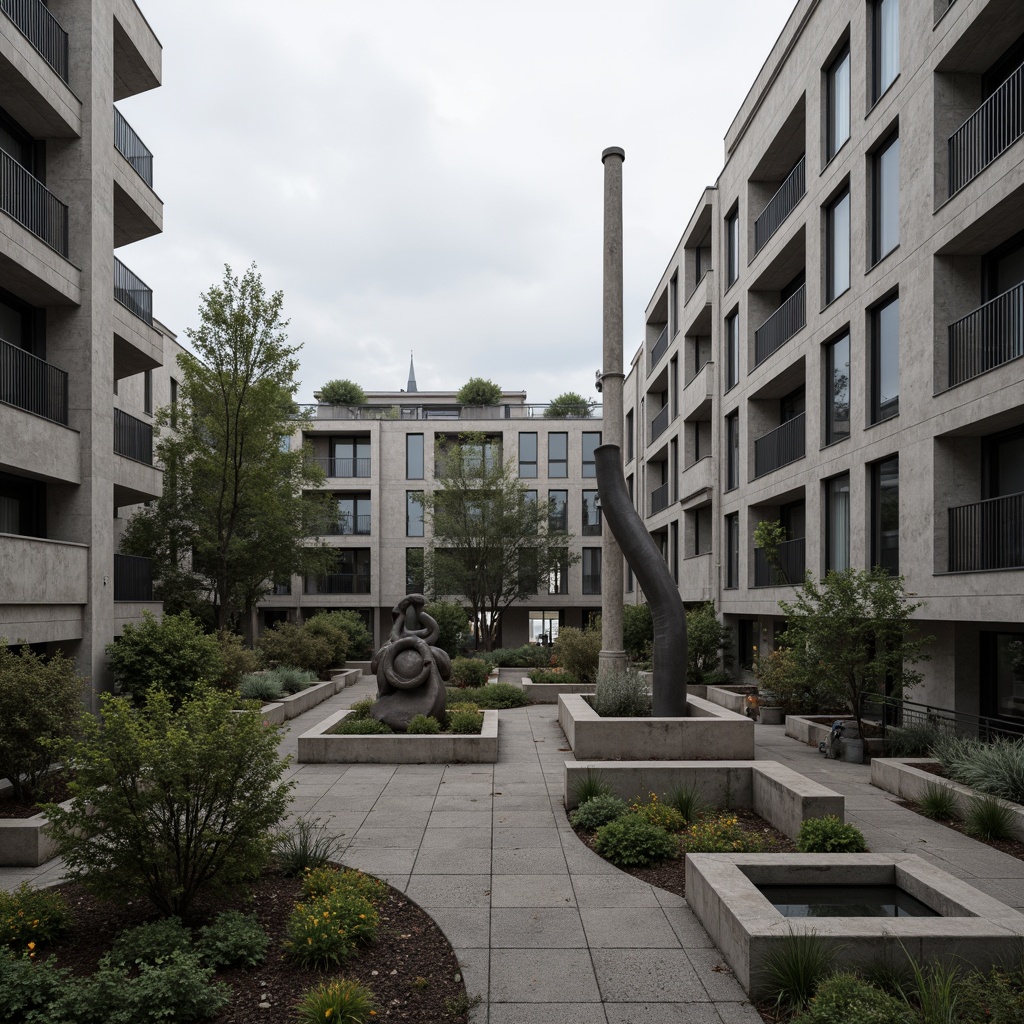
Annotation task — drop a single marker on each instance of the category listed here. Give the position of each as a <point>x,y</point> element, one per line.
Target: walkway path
<point>546,931</point>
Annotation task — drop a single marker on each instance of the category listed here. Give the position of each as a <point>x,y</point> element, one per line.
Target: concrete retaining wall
<point>296,704</point>
<point>547,693</point>
<point>812,733</point>
<point>25,842</point>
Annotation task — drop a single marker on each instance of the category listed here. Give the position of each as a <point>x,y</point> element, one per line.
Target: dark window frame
<point>732,246</point>
<point>843,56</point>
<point>732,450</point>
<point>410,439</point>
<point>558,467</point>
<point>877,177</point>
<point>832,292</point>
<point>525,464</point>
<point>878,414</point>
<point>877,552</point>
<point>828,391</point>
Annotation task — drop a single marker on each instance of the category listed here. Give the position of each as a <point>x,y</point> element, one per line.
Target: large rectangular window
<point>355,515</point>
<point>673,306</point>
<point>413,456</point>
<point>885,63</point>
<point>837,523</point>
<point>591,515</point>
<point>885,515</point>
<point>885,361</point>
<point>837,242</point>
<point>528,455</point>
<point>629,435</point>
<point>350,457</point>
<point>558,511</point>
<point>732,246</point>
<point>414,570</point>
<point>558,582</point>
<point>732,551</point>
<point>591,570</point>
<point>732,450</point>
<point>886,199</point>
<point>558,454</point>
<point>837,389</point>
<point>838,98</point>
<point>414,513</point>
<point>732,350</point>
<point>591,439</point>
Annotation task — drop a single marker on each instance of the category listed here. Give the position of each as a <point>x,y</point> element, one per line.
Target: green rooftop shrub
<point>478,391</point>
<point>567,404</point>
<point>342,392</point>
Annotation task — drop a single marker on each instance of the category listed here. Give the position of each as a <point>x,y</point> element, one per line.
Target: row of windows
<point>557,454</point>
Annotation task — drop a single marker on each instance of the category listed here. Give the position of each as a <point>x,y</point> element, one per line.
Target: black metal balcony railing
<point>33,205</point>
<point>132,148</point>
<point>133,438</point>
<point>345,468</point>
<point>995,126</point>
<point>30,383</point>
<point>789,318</point>
<point>339,583</point>
<point>282,590</point>
<point>132,292</point>
<point>659,424</point>
<point>784,444</point>
<point>659,499</point>
<point>987,535</point>
<point>781,205</point>
<point>349,526</point>
<point>987,337</point>
<point>133,578</point>
<point>660,348</point>
<point>789,571</point>
<point>42,30</point>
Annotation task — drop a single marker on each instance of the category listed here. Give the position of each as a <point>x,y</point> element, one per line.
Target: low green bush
<point>631,841</point>
<point>719,833</point>
<point>465,719</point>
<point>233,939</point>
<point>910,740</point>
<point>30,915</point>
<point>423,725</point>
<point>994,768</point>
<point>289,644</point>
<point>707,644</point>
<point>829,835</point>
<point>598,811</point>
<point>494,696</point>
<point>324,881</point>
<point>657,813</point>
<point>989,818</point>
<point>469,672</point>
<point>527,656</point>
<point>261,686</point>
<point>848,998</point>
<point>360,710</point>
<point>938,802</point>
<point>359,646</point>
<point>150,943</point>
<point>345,1001</point>
<point>325,931</point>
<point>577,651</point>
<point>621,694</point>
<point>549,675</point>
<point>237,660</point>
<point>360,727</point>
<point>333,627</point>
<point>996,997</point>
<point>31,992</point>
<point>305,846</point>
<point>637,632</point>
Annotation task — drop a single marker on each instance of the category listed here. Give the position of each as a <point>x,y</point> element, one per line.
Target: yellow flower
<point>31,945</point>
<point>327,1012</point>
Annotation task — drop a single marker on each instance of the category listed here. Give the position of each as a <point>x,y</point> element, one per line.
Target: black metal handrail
<point>659,499</point>
<point>781,205</point>
<point>659,349</point>
<point>132,292</point>
<point>987,534</point>
<point>344,468</point>
<point>133,438</point>
<point>33,205</point>
<point>659,424</point>
<point>351,526</point>
<point>987,337</point>
<point>42,30</point>
<point>339,583</point>
<point>30,383</point>
<point>995,126</point>
<point>784,444</point>
<point>789,318</point>
<point>790,567</point>
<point>892,711</point>
<point>592,583</point>
<point>133,578</point>
<point>132,148</point>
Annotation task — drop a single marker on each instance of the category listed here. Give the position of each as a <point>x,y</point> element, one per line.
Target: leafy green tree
<point>854,632</point>
<point>477,391</point>
<point>452,624</point>
<point>706,637</point>
<point>491,541</point>
<point>232,489</point>
<point>637,631</point>
<point>769,535</point>
<point>342,392</point>
<point>568,404</point>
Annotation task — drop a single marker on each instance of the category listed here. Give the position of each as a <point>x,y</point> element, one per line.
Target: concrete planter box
<point>318,746</point>
<point>772,716</point>
<point>707,733</point>
<point>735,697</point>
<point>781,796</point>
<point>296,704</point>
<point>547,693</point>
<point>812,733</point>
<point>721,889</point>
<point>901,777</point>
<point>25,842</point>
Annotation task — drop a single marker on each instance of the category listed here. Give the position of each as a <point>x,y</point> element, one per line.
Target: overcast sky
<point>426,174</point>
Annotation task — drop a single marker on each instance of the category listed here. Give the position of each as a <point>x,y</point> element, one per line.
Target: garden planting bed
<point>295,704</point>
<point>547,693</point>
<point>707,733</point>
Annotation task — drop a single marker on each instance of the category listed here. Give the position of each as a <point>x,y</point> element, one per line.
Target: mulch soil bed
<point>671,874</point>
<point>53,789</point>
<point>1014,847</point>
<point>411,967</point>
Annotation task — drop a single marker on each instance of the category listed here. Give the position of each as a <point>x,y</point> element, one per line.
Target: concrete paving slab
<point>465,927</point>
<point>519,838</point>
<point>661,1013</point>
<point>647,975</point>
<point>526,976</point>
<point>533,860</point>
<point>628,929</point>
<point>536,928</point>
<point>597,891</point>
<point>454,862</point>
<point>475,837</point>
<point>450,890</point>
<point>532,891</point>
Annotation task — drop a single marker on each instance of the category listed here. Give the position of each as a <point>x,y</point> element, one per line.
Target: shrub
<point>29,991</point>
<point>588,785</point>
<point>527,656</point>
<point>938,802</point>
<point>293,680</point>
<point>910,740</point>
<point>168,805</point>
<point>342,392</point>
<point>621,695</point>
<point>326,930</point>
<point>637,631</point>
<point>989,818</point>
<point>360,639</point>
<point>577,651</point>
<point>40,700</point>
<point>469,672</point>
<point>326,880</point>
<point>550,675</point>
<point>829,835</point>
<point>996,997</point>
<point>784,682</point>
<point>289,644</point>
<point>233,939</point>
<point>494,696</point>
<point>28,915</point>
<point>994,768</point>
<point>150,943</point>
<point>452,624</point>
<point>706,638</point>
<point>795,967</point>
<point>345,1001</point>
<point>465,720</point>
<point>848,998</point>
<point>423,725</point>
<point>570,403</point>
<point>262,686</point>
<point>719,833</point>
<point>237,660</point>
<point>171,654</point>
<point>631,841</point>
<point>598,811</point>
<point>360,710</point>
<point>333,627</point>
<point>361,727</point>
<point>477,391</point>
<point>305,846</point>
<point>687,801</point>
<point>658,813</point>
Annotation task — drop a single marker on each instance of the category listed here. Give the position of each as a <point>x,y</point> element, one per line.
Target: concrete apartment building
<point>78,342</point>
<point>380,456</point>
<point>836,341</point>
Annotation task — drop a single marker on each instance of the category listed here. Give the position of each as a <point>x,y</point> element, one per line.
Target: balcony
<point>133,578</point>
<point>989,336</point>
<point>42,30</point>
<point>789,571</point>
<point>659,424</point>
<point>659,500</point>
<point>508,411</point>
<point>132,148</point>
<point>789,318</point>
<point>987,535</point>
<point>32,205</point>
<point>659,349</point>
<point>780,446</point>
<point>351,526</point>
<point>339,583</point>
<point>40,571</point>
<point>995,126</point>
<point>32,384</point>
<point>345,469</point>
<point>699,393</point>
<point>282,590</point>
<point>591,583</point>
<point>698,480</point>
<point>133,293</point>
<point>780,206</point>
<point>133,438</point>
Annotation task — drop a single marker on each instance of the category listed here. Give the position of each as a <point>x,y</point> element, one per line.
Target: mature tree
<point>342,392</point>
<point>232,487</point>
<point>707,642</point>
<point>477,391</point>
<point>492,543</point>
<point>854,634</point>
<point>571,403</point>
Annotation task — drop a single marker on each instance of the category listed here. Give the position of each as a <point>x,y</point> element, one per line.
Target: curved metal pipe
<point>644,558</point>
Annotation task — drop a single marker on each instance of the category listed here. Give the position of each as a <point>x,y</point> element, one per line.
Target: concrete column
<point>612,654</point>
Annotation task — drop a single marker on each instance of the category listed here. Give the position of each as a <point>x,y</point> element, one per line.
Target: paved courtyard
<point>546,931</point>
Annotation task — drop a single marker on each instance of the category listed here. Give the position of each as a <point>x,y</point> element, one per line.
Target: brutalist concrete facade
<point>837,340</point>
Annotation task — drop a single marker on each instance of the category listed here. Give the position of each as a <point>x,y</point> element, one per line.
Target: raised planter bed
<point>734,697</point>
<point>296,704</point>
<point>547,693</point>
<point>25,842</point>
<point>320,746</point>
<point>807,730</point>
<point>783,797</point>
<point>902,777</point>
<point>707,733</point>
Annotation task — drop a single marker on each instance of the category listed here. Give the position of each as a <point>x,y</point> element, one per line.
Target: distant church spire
<point>411,386</point>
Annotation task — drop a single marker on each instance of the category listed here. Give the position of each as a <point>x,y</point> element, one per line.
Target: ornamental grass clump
<point>589,784</point>
<point>830,835</point>
<point>344,1001</point>
<point>995,768</point>
<point>990,819</point>
<point>326,930</point>
<point>938,803</point>
<point>795,967</point>
<point>687,801</point>
<point>306,845</point>
<point>631,841</point>
<point>32,917</point>
<point>261,686</point>
<point>598,811</point>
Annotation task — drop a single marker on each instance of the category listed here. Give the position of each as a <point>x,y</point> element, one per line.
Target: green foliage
<point>423,725</point>
<point>261,686</point>
<point>598,811</point>
<point>631,841</point>
<point>326,930</point>
<point>687,801</point>
<point>621,695</point>
<point>911,740</point>
<point>237,660</point>
<point>477,391</point>
<point>469,672</point>
<point>150,943</point>
<point>169,805</point>
<point>551,675</point>
<point>360,727</point>
<point>360,639</point>
<point>305,846</point>
<point>637,631</point>
<point>452,624</point>
<point>289,644</point>
<point>171,654</point>
<point>527,656</point>
<point>360,710</point>
<point>493,696</point>
<point>933,992</point>
<point>344,1001</point>
<point>768,536</point>
<point>784,682</point>
<point>334,627</point>
<point>30,991</point>
<point>989,818</point>
<point>996,997</point>
<point>795,967</point>
<point>40,701</point>
<point>938,802</point>
<point>326,880</point>
<point>657,813</point>
<point>465,720</point>
<point>829,835</point>
<point>847,998</point>
<point>28,915</point>
<point>577,651</point>
<point>569,404</point>
<point>589,785</point>
<point>706,638</point>
<point>293,680</point>
<point>342,392</point>
<point>719,833</point>
<point>233,939</point>
<point>994,768</point>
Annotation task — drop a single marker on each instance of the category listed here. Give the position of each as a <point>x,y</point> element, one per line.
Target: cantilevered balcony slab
<point>36,571</point>
<point>137,345</point>
<point>34,271</point>
<point>699,393</point>
<point>138,56</point>
<point>39,447</point>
